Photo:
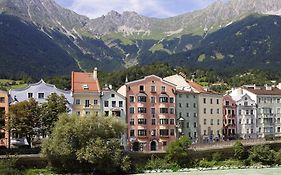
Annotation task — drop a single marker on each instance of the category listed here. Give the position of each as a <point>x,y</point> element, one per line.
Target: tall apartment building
<point>229,118</point>
<point>186,107</point>
<point>4,109</point>
<point>150,114</point>
<point>210,116</point>
<point>86,93</point>
<point>268,103</point>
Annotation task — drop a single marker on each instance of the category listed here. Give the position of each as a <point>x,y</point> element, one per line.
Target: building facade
<point>210,117</point>
<point>150,114</point>
<point>39,91</point>
<point>4,109</point>
<point>86,93</point>
<point>229,118</point>
<point>268,100</point>
<point>114,104</point>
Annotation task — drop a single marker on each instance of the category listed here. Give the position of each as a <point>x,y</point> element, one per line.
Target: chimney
<point>110,87</point>
<point>95,73</point>
<point>268,88</point>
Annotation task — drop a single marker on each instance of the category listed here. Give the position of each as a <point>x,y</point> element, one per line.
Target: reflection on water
<point>270,171</point>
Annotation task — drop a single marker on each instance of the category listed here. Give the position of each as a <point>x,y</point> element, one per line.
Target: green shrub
<point>206,164</point>
<point>230,163</point>
<point>262,154</point>
<point>278,157</point>
<point>38,171</point>
<point>239,151</point>
<point>162,164</point>
<point>216,156</point>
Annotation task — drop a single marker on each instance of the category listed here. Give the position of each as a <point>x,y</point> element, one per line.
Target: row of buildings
<point>159,110</point>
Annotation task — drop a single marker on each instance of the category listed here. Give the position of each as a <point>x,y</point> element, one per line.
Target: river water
<point>269,171</point>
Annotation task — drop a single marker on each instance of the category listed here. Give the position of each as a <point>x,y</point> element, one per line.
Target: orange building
<point>4,109</point>
<point>150,114</point>
<point>86,93</point>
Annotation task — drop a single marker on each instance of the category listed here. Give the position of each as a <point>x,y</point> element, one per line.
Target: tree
<point>177,151</point>
<point>51,109</point>
<point>86,144</point>
<point>24,118</point>
<point>262,154</point>
<point>239,150</point>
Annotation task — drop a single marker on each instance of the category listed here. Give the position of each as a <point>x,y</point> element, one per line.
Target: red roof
<point>84,82</point>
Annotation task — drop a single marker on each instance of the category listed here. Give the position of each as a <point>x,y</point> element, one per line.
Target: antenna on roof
<point>126,81</point>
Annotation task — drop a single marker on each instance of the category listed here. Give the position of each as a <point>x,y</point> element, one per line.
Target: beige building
<point>86,93</point>
<point>210,116</point>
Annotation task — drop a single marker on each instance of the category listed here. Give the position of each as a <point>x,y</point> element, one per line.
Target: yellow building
<point>4,109</point>
<point>86,93</point>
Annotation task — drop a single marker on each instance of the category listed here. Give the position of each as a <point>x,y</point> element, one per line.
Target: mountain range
<point>39,38</point>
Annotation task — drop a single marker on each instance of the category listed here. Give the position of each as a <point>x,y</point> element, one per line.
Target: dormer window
<point>85,87</point>
<point>141,88</point>
<point>163,89</point>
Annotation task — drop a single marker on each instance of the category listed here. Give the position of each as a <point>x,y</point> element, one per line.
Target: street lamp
<point>180,125</point>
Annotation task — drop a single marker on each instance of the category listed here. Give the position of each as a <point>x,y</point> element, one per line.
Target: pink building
<point>150,114</point>
<point>229,118</point>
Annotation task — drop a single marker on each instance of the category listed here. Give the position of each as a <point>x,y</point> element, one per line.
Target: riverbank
<point>218,171</point>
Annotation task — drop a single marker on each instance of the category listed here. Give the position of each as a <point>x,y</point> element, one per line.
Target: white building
<point>114,104</point>
<point>39,91</point>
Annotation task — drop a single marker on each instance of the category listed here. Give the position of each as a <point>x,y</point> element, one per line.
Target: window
<point>194,105</point>
<point>40,95</point>
<point>172,132</point>
<point>180,114</point>
<point>187,114</point>
<point>211,101</point>
<point>205,121</point>
<point>164,121</point>
<point>180,105</point>
<point>113,103</point>
<point>172,121</point>
<point>226,103</point>
<point>194,124</point>
<point>239,112</point>
<point>171,99</point>
<point>132,133</point>
<point>187,124</point>
<point>141,98</point>
<point>218,122</point>
<point>218,111</point>
<point>87,112</point>
<point>194,114</point>
<point>132,110</point>
<point>212,122</point>
<point>142,121</point>
<point>172,111</point>
<point>163,89</point>
<point>152,99</point>
<point>187,105</point>
<point>153,89</point>
<point>141,110</point>
<point>278,110</point>
<point>211,111</point>
<point>112,95</point>
<point>152,110</point>
<point>247,112</point>
<point>85,87</point>
<point>141,88</point>
<point>132,121</point>
<point>205,110</point>
<point>95,102</point>
<point>165,143</point>
<point>164,132</point>
<point>2,99</point>
<point>78,113</point>
<point>163,110</point>
<point>278,100</point>
<point>120,103</point>
<point>218,101</point>
<point>106,113</point>
<point>180,95</point>
<point>132,99</point>
<point>30,95</point>
<point>87,103</point>
<point>205,132</point>
<point>77,101</point>
<point>153,132</point>
<point>105,103</point>
<point>204,100</point>
<point>153,121</point>
<point>141,132</point>
<point>163,99</point>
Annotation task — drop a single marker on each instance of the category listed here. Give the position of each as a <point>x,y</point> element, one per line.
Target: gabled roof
<point>151,76</point>
<point>264,91</point>
<point>81,79</point>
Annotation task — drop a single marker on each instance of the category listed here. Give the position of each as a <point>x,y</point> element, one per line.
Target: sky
<point>149,8</point>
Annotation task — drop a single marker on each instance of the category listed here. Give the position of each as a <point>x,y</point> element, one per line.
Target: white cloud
<point>96,8</point>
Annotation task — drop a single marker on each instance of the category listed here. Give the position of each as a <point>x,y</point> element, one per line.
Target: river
<point>269,171</point>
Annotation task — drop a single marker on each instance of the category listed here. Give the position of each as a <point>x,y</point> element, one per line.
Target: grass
<point>159,47</point>
<point>6,84</point>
